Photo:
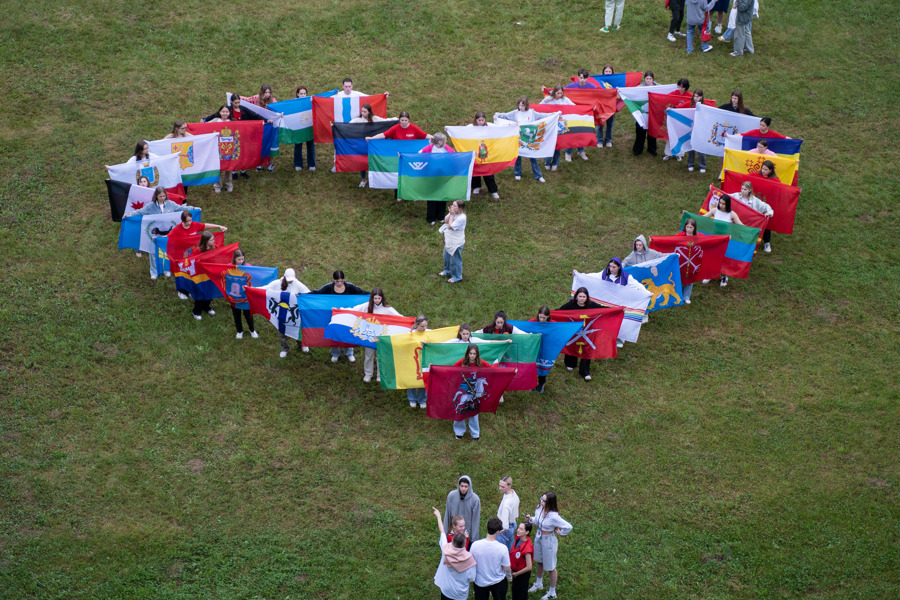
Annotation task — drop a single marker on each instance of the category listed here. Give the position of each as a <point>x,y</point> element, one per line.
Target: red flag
<point>656,111</point>
<point>782,198</point>
<point>240,142</point>
<point>573,132</point>
<point>182,243</point>
<point>748,216</point>
<point>603,101</point>
<point>340,108</point>
<point>597,338</point>
<point>457,393</point>
<point>700,256</point>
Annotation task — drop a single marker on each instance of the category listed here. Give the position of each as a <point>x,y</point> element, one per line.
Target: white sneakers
<point>312,168</point>
<point>298,168</point>
<point>351,358</point>
<point>254,335</point>
<point>587,377</point>
<point>620,344</point>
<point>362,183</point>
<point>518,178</point>
<point>548,595</point>
<point>670,37</point>
<point>583,155</point>
<point>535,588</point>
<point>239,335</point>
<point>304,348</point>
<point>412,404</point>
<point>153,277</point>
<point>767,247</point>
<point>476,191</point>
<point>283,353</point>
<point>198,317</point>
<point>334,359</point>
<point>609,144</point>
<point>182,296</point>
<point>703,170</point>
<point>495,196</point>
<point>687,300</point>
<point>367,379</point>
<point>541,180</point>
<point>568,157</point>
<point>211,312</point>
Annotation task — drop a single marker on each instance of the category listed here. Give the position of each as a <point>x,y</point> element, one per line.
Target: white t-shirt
<point>490,558</point>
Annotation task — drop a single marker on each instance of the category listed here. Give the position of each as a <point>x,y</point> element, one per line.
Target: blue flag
<point>160,245</point>
<point>662,277</point>
<point>246,275</point>
<point>554,336</point>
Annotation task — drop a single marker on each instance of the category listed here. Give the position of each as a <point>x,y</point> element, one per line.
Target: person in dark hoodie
<point>465,502</point>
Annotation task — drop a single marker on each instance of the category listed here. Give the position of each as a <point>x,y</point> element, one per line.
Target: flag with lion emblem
<point>662,278</point>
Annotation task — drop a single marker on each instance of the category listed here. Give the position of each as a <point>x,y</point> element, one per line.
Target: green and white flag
<point>635,99</point>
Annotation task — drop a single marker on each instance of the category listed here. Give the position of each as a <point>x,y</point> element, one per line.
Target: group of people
<point>504,558</point>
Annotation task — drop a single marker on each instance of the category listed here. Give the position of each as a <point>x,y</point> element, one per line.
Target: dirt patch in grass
<point>876,482</point>
<point>107,350</point>
<point>718,557</point>
<point>195,465</point>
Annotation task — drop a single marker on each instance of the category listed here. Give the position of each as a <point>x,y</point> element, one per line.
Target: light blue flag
<point>554,336</point>
<point>662,277</point>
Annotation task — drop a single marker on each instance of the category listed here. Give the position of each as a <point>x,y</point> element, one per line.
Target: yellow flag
<point>399,356</point>
<point>741,161</point>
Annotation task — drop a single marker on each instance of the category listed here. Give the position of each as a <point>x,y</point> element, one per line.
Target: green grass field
<point>747,447</point>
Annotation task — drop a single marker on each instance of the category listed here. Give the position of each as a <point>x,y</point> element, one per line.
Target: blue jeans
<point>310,154</point>
<point>348,352</point>
<point>569,151</point>
<point>508,536</point>
<point>686,291</point>
<point>417,395</point>
<point>701,159</point>
<point>601,139</point>
<point>535,168</point>
<point>453,264</point>
<point>690,37</point>
<point>554,160</point>
<point>459,427</point>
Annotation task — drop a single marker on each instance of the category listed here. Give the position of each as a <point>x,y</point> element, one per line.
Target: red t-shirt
<point>450,540</point>
<point>517,554</point>
<point>410,133</point>
<point>771,133</point>
<point>194,227</point>
<point>460,361</point>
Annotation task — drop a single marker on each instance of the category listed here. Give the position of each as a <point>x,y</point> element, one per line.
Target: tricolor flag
<point>712,125</point>
<point>125,198</point>
<point>362,328</point>
<point>437,177</point>
<point>400,356</point>
<point>495,146</point>
<point>596,336</point>
<point>538,138</point>
<point>278,308</point>
<point>341,108</point>
<point>783,147</point>
<point>700,256</point>
<point>351,151</point>
<point>636,98</point>
<point>458,393</point>
<point>554,336</point>
<point>296,125</point>
<point>741,246</point>
<point>161,171</point>
<point>740,161</point>
<point>575,128</point>
<point>679,125</point>
<point>602,101</point>
<point>191,279</point>
<point>231,279</point>
<point>521,354</point>
<point>748,216</point>
<point>782,198</point>
<point>634,299</point>
<point>138,232</point>
<point>240,142</point>
<point>662,278</point>
<point>384,160</point>
<point>315,313</point>
<point>198,157</point>
<point>657,105</point>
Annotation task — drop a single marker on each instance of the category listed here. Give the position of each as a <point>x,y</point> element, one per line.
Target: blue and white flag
<point>554,337</point>
<point>138,232</point>
<point>680,124</point>
<point>712,125</point>
<point>662,278</point>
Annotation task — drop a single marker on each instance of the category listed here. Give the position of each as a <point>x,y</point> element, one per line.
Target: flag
<point>657,105</point>
<point>160,244</point>
<point>315,315</point>
<point>633,299</point>
<point>553,337</point>
<point>749,216</point>
<point>700,256</point>
<point>538,139</point>
<point>400,356</point>
<point>137,232</point>
<point>161,171</point>
<point>198,157</point>
<point>296,125</point>
<point>179,248</point>
<point>126,198</point>
<point>231,279</point>
<point>782,198</point>
<point>278,308</point>
<point>740,161</point>
<point>636,98</point>
<point>596,338</point>
<point>712,125</point>
<point>384,160</point>
<point>447,354</point>
<point>240,142</point>
<point>679,125</point>
<point>662,278</point>
<point>575,128</point>
<point>437,177</point>
<point>602,101</point>
<point>783,147</point>
<point>741,246</point>
<point>191,279</point>
<point>458,393</point>
<point>340,108</point>
<point>362,328</point>
<point>495,146</point>
<point>521,355</point>
<point>619,80</point>
<point>351,151</point>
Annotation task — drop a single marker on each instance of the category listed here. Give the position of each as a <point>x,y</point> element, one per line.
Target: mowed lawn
<point>746,447</point>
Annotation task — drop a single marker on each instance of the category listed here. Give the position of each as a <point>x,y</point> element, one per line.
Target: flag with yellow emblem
<point>495,146</point>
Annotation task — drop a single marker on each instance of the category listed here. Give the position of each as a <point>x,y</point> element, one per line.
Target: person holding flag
<point>723,212</point>
<point>238,260</point>
<point>225,177</point>
<point>310,145</point>
<point>207,243</point>
<point>523,115</point>
<point>419,396</point>
<point>471,359</point>
<point>601,138</point>
<point>179,130</point>
<point>434,209</point>
<point>288,283</point>
<point>736,104</point>
<point>339,286</point>
<point>376,305</point>
<point>489,181</point>
<point>161,205</point>
<point>640,134</point>
<point>262,99</point>
<point>690,228</point>
<point>696,99</point>
<point>765,131</point>
<point>581,83</point>
<point>558,96</point>
<point>614,273</point>
<point>581,300</point>
<point>684,86</point>
<point>366,115</point>
<point>747,197</point>
<point>189,227</point>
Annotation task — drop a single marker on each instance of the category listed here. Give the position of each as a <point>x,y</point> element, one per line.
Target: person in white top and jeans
<point>508,511</point>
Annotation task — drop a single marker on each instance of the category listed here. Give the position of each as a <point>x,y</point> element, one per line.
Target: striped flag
<point>400,357</point>
<point>162,170</point>
<point>657,105</point>
<point>341,108</point>
<point>741,245</point>
<point>748,216</point>
<point>601,100</point>
<point>138,232</point>
<point>315,312</point>
<point>351,151</point>
<point>782,198</point>
<point>538,138</point>
<point>634,299</point>
<point>198,156</point>
<point>679,125</point>
<point>436,177</point>
<point>575,128</point>
<point>384,160</point>
<point>496,147</point>
<point>362,328</point>
<point>783,147</point>
<point>521,354</point>
<point>125,198</point>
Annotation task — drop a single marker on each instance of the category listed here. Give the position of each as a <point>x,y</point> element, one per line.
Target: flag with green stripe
<point>437,177</point>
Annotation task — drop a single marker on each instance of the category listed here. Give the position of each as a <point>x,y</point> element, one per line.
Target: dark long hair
<point>139,150</point>
<point>727,200</point>
<point>206,238</point>
<point>579,291</point>
<point>690,221</point>
<point>544,310</point>
<point>771,166</point>
<point>262,90</point>
<point>466,362</point>
<point>368,107</point>
<point>376,292</point>
<point>740,97</point>
<point>550,505</point>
